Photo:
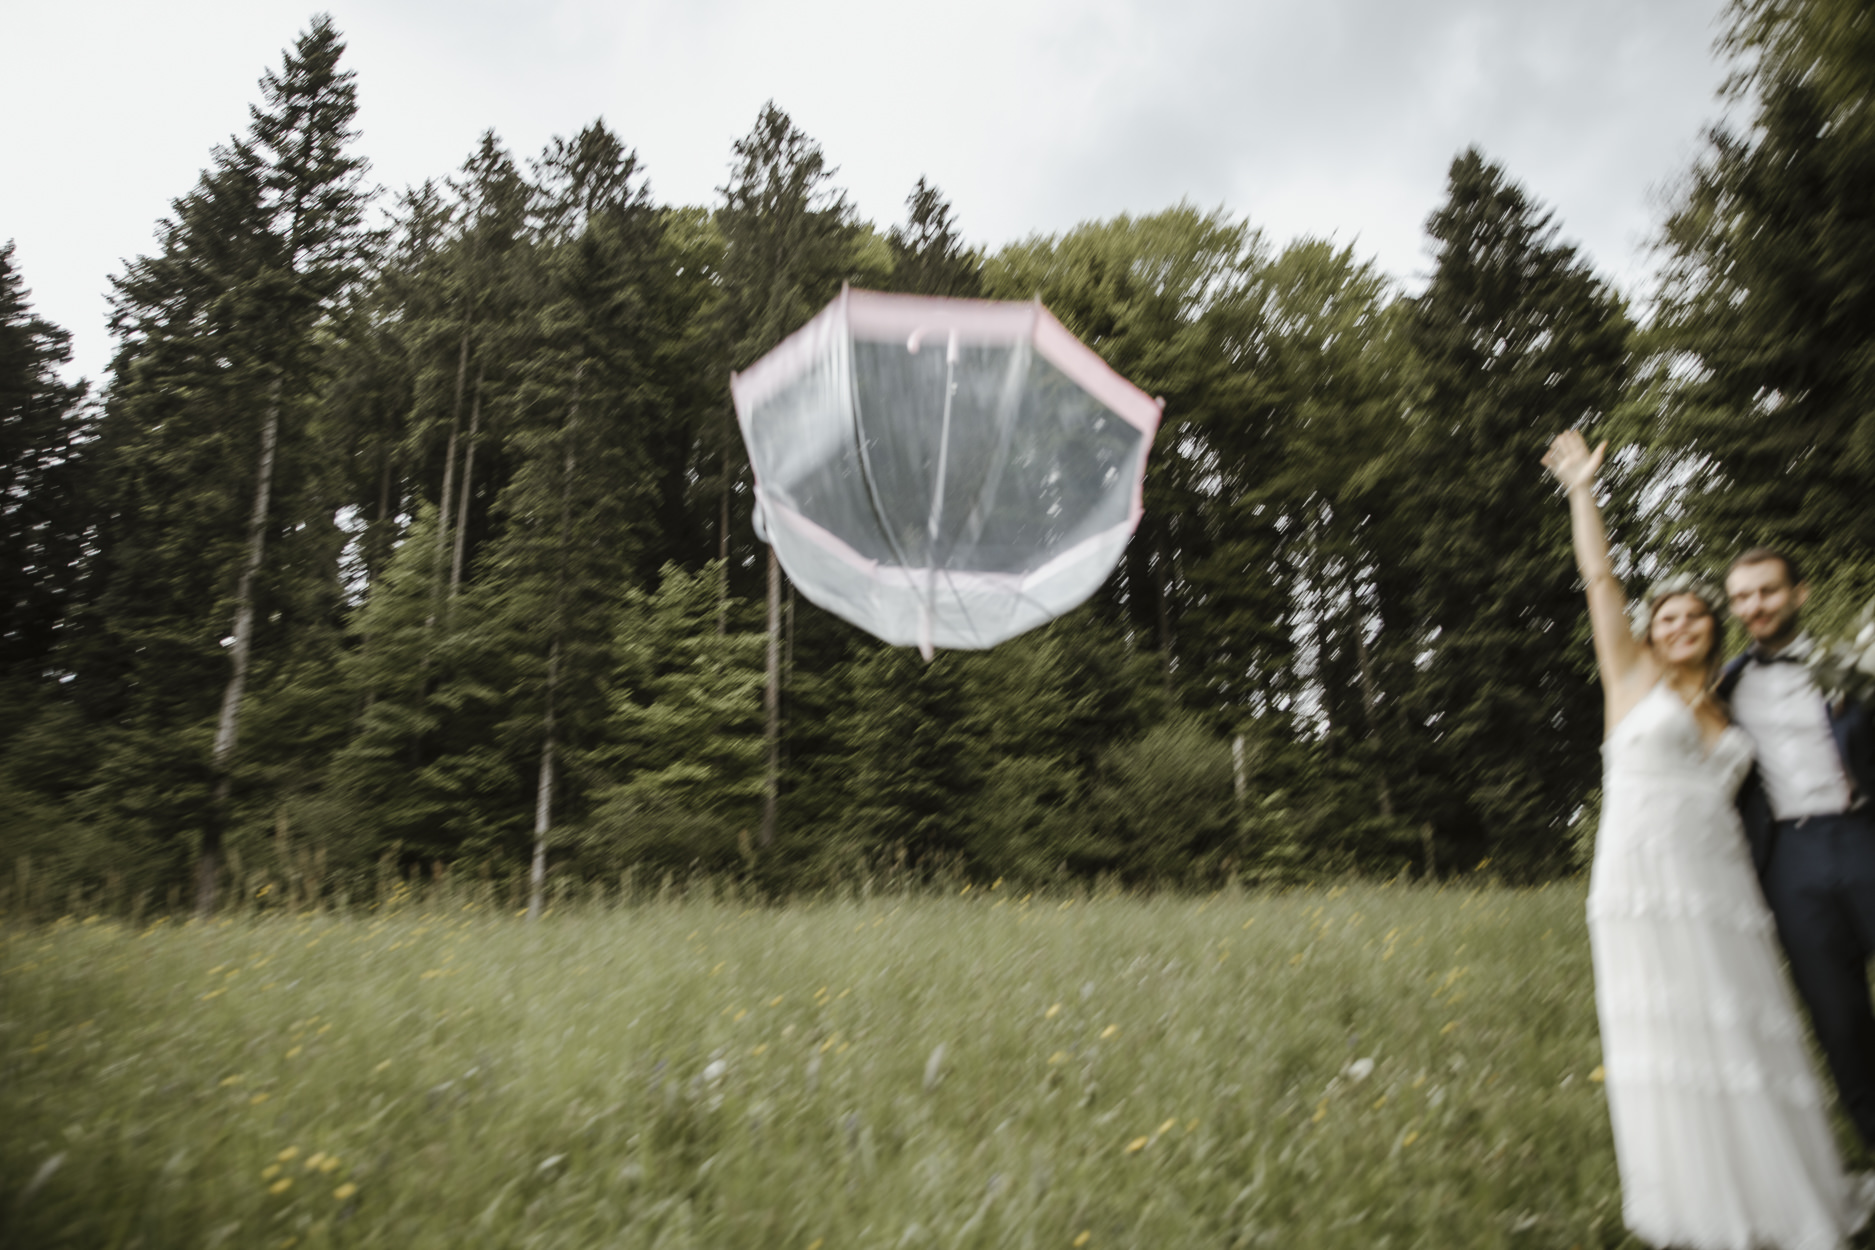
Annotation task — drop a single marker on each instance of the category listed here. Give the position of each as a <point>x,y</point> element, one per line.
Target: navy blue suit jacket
<point>1849,721</point>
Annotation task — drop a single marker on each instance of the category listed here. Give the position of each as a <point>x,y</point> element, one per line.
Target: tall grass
<point>1362,1066</point>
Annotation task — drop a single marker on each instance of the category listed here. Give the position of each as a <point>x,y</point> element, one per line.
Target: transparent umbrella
<point>943,472</point>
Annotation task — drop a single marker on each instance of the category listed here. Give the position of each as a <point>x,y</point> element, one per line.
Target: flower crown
<point>1641,611</point>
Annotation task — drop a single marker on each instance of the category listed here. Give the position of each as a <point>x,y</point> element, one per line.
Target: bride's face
<point>1683,631</point>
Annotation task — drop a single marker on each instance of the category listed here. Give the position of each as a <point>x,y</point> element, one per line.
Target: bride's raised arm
<point>1622,660</point>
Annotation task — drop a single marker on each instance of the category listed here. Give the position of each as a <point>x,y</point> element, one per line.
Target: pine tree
<point>571,514</point>
<point>1766,332</point>
<point>1515,339</point>
<point>487,271</point>
<point>928,257</point>
<point>215,484</point>
<point>788,244</point>
<point>44,429</point>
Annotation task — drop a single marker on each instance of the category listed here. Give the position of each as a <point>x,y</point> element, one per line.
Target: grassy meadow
<point>1362,1066</point>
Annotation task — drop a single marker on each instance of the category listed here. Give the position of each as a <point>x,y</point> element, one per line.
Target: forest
<point>408,536</point>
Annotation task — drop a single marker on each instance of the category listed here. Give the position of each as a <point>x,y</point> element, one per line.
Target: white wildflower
<point>934,1068</point>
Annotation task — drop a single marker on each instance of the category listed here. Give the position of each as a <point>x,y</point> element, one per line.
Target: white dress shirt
<point>1779,705</point>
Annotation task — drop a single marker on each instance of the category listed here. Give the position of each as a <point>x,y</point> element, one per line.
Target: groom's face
<point>1763,598</point>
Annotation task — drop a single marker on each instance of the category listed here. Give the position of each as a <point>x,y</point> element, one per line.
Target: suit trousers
<point>1820,884</point>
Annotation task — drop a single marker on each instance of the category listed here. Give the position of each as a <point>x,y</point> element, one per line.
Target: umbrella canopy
<point>943,472</point>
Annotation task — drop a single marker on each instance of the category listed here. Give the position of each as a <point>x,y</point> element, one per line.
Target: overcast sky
<point>1325,117</point>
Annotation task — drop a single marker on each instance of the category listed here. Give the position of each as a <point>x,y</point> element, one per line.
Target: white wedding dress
<point>1720,1128</point>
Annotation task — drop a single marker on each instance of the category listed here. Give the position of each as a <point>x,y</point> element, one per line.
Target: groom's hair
<point>1763,555</point>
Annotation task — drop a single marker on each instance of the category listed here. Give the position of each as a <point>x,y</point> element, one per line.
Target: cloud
<point>1337,117</point>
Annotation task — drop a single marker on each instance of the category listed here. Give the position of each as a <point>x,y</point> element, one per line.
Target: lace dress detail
<point>1719,1122</point>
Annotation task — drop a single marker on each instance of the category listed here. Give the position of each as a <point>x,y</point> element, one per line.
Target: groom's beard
<point>1787,630</point>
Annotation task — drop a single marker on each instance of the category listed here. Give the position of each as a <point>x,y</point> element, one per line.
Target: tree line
<point>421,542</point>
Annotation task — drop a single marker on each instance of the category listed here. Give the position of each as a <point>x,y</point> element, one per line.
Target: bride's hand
<point>1570,459</point>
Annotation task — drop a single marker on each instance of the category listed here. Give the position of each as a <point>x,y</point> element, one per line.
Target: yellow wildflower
<point>1052,1012</point>
<point>1086,1236</point>
<point>281,1186</point>
<point>1109,1031</point>
<point>345,1191</point>
<point>1136,1145</point>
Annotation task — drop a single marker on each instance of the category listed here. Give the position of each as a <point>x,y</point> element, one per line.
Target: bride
<point>1720,1130</point>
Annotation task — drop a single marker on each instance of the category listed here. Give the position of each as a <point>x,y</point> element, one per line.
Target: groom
<point>1808,815</point>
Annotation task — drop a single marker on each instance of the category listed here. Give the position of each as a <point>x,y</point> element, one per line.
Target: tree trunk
<point>543,796</point>
<point>377,559</point>
<point>722,551</point>
<point>379,545</point>
<point>468,484</point>
<point>1163,592</point>
<point>449,481</point>
<point>1370,699</point>
<point>771,788</point>
<point>543,792</point>
<point>228,728</point>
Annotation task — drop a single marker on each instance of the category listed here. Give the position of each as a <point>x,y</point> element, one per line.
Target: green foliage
<point>913,758</point>
<point>509,562</point>
<point>1766,330</point>
<point>223,344</point>
<point>685,732</point>
<point>1048,707</point>
<point>43,515</point>
<point>1168,797</point>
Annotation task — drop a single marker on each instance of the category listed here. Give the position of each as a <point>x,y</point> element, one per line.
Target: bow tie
<point>1761,657</point>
